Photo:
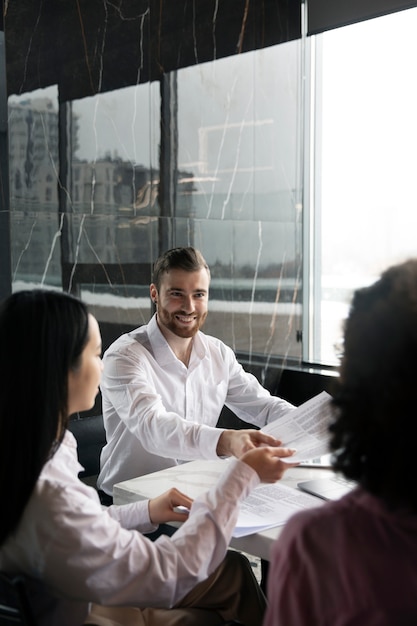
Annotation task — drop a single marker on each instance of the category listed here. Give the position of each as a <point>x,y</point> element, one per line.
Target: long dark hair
<point>42,336</point>
<point>375,430</point>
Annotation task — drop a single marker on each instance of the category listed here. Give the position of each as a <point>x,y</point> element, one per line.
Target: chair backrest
<point>91,437</point>
<point>15,607</point>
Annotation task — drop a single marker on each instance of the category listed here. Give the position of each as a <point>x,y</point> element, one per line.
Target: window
<point>239,141</point>
<point>291,167</point>
<point>115,175</point>
<point>33,167</point>
<point>364,197</point>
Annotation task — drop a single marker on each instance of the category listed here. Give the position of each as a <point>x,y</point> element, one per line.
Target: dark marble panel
<point>91,46</point>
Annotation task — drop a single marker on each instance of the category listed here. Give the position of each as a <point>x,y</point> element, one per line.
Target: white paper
<point>305,429</point>
<point>271,505</point>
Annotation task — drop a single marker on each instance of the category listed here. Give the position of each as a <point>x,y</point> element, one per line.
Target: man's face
<point>182,301</point>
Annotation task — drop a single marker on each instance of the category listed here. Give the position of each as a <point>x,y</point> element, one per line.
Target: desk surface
<point>195,477</point>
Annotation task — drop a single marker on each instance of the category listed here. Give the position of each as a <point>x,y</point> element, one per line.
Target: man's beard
<point>171,323</point>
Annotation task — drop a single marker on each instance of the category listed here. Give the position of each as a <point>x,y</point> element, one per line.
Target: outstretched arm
<point>237,442</point>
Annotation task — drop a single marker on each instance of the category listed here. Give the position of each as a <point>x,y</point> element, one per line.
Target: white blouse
<point>85,553</point>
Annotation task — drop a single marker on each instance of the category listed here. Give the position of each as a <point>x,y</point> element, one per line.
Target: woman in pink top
<point>353,562</point>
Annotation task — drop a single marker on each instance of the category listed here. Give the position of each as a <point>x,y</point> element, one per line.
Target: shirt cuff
<point>208,439</point>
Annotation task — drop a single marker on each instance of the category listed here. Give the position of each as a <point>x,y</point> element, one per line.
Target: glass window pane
<point>366,197</point>
<point>238,137</point>
<point>113,201</point>
<point>33,177</point>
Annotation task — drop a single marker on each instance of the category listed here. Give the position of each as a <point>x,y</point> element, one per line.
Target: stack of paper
<point>306,430</point>
<point>271,505</point>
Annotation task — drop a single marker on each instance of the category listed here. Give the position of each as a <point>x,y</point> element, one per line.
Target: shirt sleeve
<point>134,515</point>
<point>126,386</point>
<point>249,399</point>
<point>88,556</point>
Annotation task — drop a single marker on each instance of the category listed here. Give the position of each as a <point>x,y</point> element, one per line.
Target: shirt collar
<point>161,350</point>
<point>65,457</point>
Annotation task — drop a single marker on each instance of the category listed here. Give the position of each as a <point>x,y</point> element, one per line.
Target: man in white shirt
<point>165,383</point>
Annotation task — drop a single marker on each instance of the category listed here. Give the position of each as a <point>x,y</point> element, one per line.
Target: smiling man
<point>181,299</point>
<point>164,384</point>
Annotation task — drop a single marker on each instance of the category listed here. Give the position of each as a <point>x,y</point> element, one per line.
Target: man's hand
<point>237,442</point>
<point>163,508</point>
<point>267,462</point>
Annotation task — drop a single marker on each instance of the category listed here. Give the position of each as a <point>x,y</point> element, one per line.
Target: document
<point>271,505</point>
<point>305,429</point>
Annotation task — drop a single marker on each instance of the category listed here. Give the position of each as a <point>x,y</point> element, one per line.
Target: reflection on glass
<point>115,173</point>
<point>33,173</point>
<point>238,137</point>
<point>223,175</point>
<point>252,308</point>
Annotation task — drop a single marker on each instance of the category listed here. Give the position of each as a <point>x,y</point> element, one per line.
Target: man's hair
<point>374,433</point>
<point>42,337</point>
<point>188,259</point>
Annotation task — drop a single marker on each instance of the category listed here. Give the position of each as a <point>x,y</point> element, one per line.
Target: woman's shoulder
<point>321,520</point>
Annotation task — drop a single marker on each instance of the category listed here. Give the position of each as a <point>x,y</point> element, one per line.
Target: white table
<point>195,477</point>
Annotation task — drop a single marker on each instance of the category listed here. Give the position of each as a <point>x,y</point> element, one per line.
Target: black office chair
<point>14,602</point>
<point>91,437</point>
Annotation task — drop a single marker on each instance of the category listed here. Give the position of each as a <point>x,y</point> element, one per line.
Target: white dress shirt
<point>158,412</point>
<point>85,553</point>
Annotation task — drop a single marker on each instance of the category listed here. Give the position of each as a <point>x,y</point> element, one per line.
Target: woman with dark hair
<point>52,526</point>
<point>353,561</point>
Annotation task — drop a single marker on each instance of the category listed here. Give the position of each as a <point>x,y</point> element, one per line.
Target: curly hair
<point>374,432</point>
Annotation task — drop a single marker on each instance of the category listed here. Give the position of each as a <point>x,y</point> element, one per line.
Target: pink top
<point>349,563</point>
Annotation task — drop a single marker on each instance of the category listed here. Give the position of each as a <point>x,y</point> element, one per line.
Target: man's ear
<point>153,293</point>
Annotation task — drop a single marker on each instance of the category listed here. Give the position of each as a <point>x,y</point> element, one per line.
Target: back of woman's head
<point>42,336</point>
<point>375,429</point>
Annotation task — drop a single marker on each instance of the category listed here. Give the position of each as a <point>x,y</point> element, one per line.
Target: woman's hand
<point>162,508</point>
<point>267,462</point>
